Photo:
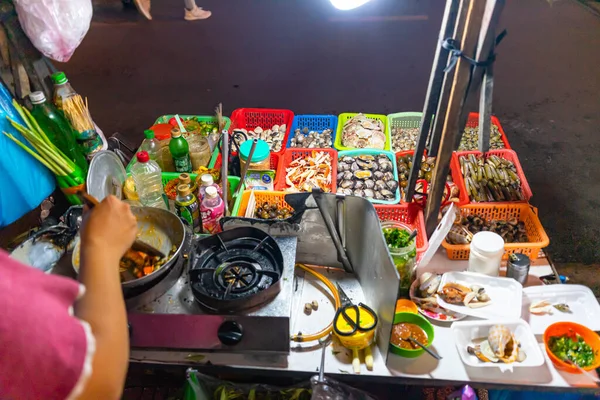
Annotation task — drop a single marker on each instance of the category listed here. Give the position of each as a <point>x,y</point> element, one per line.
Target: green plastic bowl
<point>419,321</point>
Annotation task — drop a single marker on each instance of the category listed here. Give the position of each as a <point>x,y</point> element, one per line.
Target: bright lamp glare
<point>348,4</point>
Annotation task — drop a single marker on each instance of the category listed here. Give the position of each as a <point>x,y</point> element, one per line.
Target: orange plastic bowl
<point>571,328</point>
<point>404,305</point>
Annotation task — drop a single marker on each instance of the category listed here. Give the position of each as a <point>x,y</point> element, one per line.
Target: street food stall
<point>397,248</point>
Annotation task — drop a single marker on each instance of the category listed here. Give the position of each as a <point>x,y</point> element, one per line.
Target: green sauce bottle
<point>180,151</point>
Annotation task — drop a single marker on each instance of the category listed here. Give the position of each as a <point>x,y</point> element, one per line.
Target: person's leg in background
<point>193,12</point>
<point>143,7</point>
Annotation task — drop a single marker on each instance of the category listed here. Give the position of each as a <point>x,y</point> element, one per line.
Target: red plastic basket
<point>409,214</point>
<point>293,154</point>
<point>507,154</point>
<point>473,122</point>
<point>250,118</point>
<point>463,197</point>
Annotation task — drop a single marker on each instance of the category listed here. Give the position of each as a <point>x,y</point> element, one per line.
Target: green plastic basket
<point>343,118</point>
<point>402,120</point>
<point>374,152</point>
<point>164,119</point>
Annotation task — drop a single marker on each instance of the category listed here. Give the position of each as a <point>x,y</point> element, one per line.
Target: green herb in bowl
<point>396,238</point>
<point>574,349</point>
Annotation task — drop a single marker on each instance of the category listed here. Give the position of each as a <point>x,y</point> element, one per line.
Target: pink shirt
<point>45,352</point>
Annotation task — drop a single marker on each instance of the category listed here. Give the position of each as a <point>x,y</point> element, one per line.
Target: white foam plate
<point>465,332</point>
<point>506,295</point>
<point>585,309</point>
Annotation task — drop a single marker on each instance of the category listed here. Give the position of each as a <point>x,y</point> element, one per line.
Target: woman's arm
<point>107,232</point>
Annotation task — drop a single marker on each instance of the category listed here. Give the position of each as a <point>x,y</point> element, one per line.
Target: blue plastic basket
<point>373,152</point>
<point>314,123</point>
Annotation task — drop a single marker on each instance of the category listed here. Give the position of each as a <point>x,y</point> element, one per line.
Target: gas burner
<point>236,269</point>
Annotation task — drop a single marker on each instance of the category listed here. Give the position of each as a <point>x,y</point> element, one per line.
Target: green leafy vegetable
<point>574,349</point>
<point>396,237</point>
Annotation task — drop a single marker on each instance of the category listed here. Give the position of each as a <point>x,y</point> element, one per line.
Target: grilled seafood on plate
<point>545,307</point>
<point>473,297</point>
<point>501,345</point>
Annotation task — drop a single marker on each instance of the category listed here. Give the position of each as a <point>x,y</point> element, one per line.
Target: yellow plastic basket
<point>262,196</point>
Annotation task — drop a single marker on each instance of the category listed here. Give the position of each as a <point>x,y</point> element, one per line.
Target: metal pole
<point>433,93</point>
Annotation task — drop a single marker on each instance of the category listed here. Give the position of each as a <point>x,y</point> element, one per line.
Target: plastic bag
<point>24,182</point>
<point>55,27</point>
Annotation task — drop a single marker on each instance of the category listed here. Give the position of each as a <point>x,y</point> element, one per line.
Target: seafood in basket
<point>309,139</point>
<point>368,176</point>
<point>404,138</point>
<point>470,139</point>
<point>404,163</point>
<point>501,345</point>
<point>511,231</point>
<point>271,211</point>
<point>306,173</point>
<point>363,132</point>
<point>492,179</point>
<point>472,297</point>
<point>273,136</point>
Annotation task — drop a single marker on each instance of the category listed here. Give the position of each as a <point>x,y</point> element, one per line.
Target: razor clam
<point>494,179</point>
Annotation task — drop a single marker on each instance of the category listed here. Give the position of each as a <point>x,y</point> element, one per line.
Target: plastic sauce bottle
<point>212,210</point>
<point>57,128</point>
<point>148,183</point>
<point>206,181</point>
<point>486,253</point>
<point>151,146</point>
<point>186,207</point>
<point>180,152</point>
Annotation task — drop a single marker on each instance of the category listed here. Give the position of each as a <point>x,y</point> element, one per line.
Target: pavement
<point>310,58</point>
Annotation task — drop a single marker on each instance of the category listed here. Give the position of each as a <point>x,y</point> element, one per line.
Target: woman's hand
<point>109,227</point>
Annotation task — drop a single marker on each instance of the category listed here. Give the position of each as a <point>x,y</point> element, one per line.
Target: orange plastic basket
<point>409,214</point>
<point>463,197</point>
<point>507,154</point>
<point>521,211</point>
<point>262,196</point>
<point>293,154</point>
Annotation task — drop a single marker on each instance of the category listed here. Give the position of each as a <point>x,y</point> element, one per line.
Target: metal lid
<point>106,175</point>
<point>519,260</point>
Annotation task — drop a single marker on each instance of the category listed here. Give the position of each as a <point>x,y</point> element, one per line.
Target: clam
<point>354,167</point>
<point>392,185</point>
<point>369,183</point>
<point>348,175</point>
<point>347,159</point>
<point>429,284</point>
<point>358,192</point>
<point>362,174</point>
<point>387,194</point>
<point>359,185</point>
<point>368,193</point>
<point>379,185</point>
<point>388,176</point>
<point>378,175</point>
<point>347,184</point>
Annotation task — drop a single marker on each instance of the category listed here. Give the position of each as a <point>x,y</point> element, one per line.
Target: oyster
<point>363,174</point>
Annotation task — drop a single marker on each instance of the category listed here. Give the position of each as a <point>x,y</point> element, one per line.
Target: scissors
<point>354,320</point>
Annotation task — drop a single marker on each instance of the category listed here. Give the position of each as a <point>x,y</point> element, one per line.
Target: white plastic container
<point>148,182</point>
<point>486,253</point>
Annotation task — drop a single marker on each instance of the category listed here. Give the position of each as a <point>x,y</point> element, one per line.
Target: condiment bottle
<point>148,182</point>
<point>212,210</point>
<point>57,128</point>
<point>518,267</point>
<point>151,146</point>
<point>206,181</point>
<point>186,207</point>
<point>486,253</point>
<point>180,152</point>
<point>260,158</point>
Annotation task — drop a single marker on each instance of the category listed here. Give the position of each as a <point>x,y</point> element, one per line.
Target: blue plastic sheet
<point>24,181</point>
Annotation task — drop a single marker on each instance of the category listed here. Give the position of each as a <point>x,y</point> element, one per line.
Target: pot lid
<point>106,175</point>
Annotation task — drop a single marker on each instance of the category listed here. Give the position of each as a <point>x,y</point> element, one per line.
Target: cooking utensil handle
<point>342,256</point>
<point>369,358</point>
<point>355,361</point>
<point>431,353</point>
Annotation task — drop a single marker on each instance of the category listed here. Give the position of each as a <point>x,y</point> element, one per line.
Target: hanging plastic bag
<point>24,182</point>
<point>55,27</point>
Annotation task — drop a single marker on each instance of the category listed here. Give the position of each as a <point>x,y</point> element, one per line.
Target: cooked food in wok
<point>137,264</point>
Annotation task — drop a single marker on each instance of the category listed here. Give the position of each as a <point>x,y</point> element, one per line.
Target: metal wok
<point>160,228</point>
